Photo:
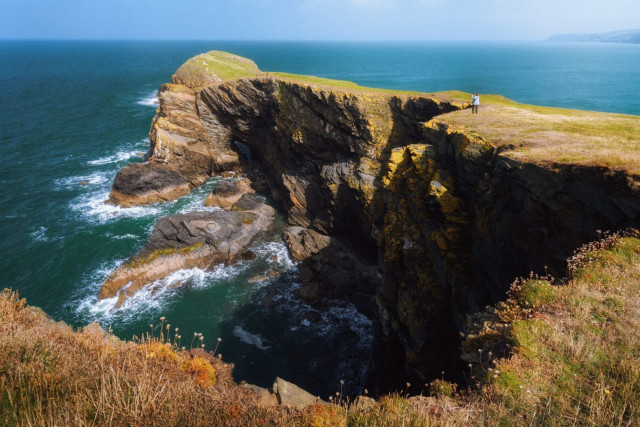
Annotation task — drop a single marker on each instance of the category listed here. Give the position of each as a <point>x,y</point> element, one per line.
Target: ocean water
<point>73,113</point>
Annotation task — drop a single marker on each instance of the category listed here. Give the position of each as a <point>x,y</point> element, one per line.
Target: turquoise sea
<point>73,113</point>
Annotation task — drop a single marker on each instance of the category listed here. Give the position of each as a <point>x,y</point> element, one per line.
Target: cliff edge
<point>405,203</point>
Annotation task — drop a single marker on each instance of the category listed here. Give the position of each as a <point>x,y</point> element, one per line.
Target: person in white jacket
<point>475,101</point>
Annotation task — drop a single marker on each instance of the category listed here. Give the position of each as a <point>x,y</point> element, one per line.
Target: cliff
<point>405,203</point>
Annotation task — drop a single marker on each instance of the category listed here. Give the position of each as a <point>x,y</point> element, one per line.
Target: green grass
<point>339,84</point>
<point>577,354</point>
<point>548,134</point>
<point>209,67</point>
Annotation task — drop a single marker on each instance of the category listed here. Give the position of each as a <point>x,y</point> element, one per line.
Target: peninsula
<point>403,203</point>
<point>623,36</point>
<point>425,217</point>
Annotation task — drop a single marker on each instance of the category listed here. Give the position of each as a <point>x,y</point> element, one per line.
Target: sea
<point>72,113</point>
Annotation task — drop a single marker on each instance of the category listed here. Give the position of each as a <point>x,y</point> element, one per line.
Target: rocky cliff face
<point>416,222</point>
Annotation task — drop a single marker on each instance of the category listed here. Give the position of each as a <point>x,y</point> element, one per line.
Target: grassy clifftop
<point>528,132</point>
<point>574,358</point>
<point>545,134</point>
<point>212,67</point>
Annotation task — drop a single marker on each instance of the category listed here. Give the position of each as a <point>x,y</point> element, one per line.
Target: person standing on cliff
<point>475,101</point>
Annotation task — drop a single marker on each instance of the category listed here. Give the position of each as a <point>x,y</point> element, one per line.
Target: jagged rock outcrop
<point>195,239</point>
<point>284,393</point>
<point>228,192</point>
<point>441,222</point>
<point>147,183</point>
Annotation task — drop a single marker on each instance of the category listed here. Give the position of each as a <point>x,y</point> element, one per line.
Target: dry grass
<point>575,360</point>
<point>546,134</point>
<point>51,375</point>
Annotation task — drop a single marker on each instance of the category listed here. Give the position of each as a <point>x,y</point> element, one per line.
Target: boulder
<point>303,242</point>
<point>195,239</point>
<point>146,183</point>
<point>228,192</point>
<point>265,397</point>
<point>289,394</point>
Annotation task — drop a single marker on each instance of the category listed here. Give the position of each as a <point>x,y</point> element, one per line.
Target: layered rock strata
<point>196,239</point>
<point>147,183</point>
<point>429,221</point>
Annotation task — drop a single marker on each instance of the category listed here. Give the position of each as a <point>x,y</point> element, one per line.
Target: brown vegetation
<point>574,359</point>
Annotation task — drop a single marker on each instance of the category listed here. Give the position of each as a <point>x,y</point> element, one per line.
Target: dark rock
<point>196,239</point>
<point>306,274</point>
<point>310,293</point>
<point>226,193</point>
<point>247,256</point>
<point>267,301</point>
<point>313,316</point>
<point>303,243</point>
<point>146,183</point>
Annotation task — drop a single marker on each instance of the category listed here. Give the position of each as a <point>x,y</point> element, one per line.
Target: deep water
<point>73,113</point>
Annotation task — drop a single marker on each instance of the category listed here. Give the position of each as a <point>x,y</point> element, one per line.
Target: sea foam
<point>151,100</point>
<point>249,338</point>
<point>118,157</point>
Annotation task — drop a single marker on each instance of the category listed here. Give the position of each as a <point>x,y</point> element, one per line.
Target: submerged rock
<point>147,183</point>
<point>195,239</point>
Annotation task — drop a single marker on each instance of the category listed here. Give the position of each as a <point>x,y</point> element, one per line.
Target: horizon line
<point>269,40</point>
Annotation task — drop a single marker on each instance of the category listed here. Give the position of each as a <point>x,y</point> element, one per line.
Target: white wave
<point>195,202</point>
<point>358,322</point>
<point>123,236</point>
<point>249,338</point>
<point>94,207</point>
<point>118,157</point>
<point>96,178</point>
<point>220,272</point>
<point>40,234</point>
<point>150,100</point>
<point>276,253</point>
<point>152,297</point>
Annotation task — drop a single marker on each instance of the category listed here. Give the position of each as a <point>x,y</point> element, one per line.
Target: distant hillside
<point>624,36</point>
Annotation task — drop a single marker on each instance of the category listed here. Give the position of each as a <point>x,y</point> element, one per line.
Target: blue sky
<point>312,19</point>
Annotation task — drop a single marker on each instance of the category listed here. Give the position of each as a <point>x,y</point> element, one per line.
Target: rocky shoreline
<point>201,239</point>
<point>413,220</point>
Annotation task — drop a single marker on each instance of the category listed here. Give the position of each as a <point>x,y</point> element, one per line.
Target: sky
<point>312,19</point>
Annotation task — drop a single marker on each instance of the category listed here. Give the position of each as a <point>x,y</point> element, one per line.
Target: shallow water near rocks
<point>74,113</point>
